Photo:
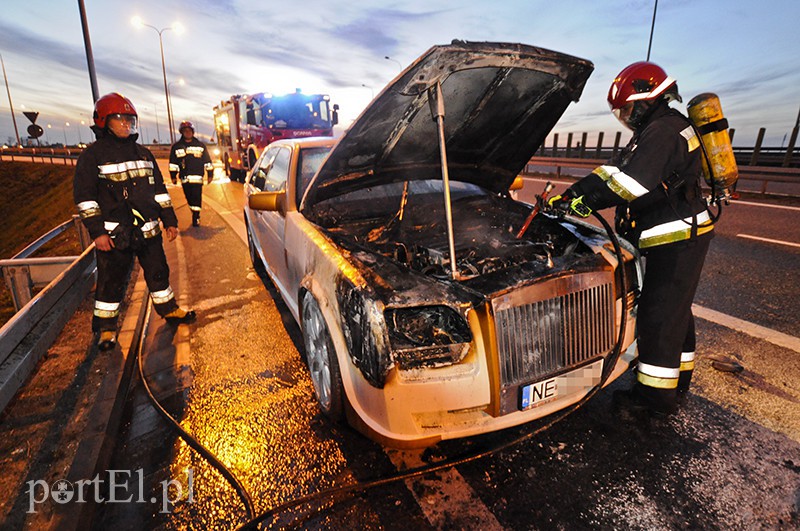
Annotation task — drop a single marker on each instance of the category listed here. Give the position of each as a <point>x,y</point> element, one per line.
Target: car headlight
<point>427,336</point>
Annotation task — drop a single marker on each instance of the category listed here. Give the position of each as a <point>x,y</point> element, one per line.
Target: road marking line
<point>232,218</point>
<point>767,334</point>
<point>768,240</point>
<point>446,499</point>
<point>767,205</point>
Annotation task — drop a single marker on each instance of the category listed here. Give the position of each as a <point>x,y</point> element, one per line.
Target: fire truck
<point>246,123</point>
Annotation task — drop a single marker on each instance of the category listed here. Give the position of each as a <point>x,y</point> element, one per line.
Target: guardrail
<point>69,155</point>
<point>37,323</point>
<point>763,174</point>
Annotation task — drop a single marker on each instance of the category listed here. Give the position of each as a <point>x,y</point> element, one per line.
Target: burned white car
<point>424,315</point>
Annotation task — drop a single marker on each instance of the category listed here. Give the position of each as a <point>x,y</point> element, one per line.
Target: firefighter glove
<point>567,204</point>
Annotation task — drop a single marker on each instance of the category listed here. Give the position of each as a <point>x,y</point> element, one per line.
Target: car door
<point>271,225</point>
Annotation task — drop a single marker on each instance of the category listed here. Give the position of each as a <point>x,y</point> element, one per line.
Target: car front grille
<point>548,327</point>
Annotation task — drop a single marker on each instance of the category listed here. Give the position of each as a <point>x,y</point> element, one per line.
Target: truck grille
<point>538,337</point>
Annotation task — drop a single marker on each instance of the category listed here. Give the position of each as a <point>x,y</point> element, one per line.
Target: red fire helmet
<point>114,103</point>
<point>642,81</point>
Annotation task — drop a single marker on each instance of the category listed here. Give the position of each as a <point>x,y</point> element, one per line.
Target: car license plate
<point>577,380</point>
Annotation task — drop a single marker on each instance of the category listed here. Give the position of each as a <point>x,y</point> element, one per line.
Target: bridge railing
<point>40,319</point>
<point>564,167</point>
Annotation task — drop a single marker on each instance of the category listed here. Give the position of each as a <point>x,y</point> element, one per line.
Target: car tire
<point>323,365</point>
<point>255,259</point>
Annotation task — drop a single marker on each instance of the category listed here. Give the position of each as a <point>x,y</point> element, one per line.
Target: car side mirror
<point>268,201</point>
<point>518,183</point>
<point>335,114</point>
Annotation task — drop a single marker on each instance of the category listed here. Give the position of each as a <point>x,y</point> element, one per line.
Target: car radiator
<point>550,327</point>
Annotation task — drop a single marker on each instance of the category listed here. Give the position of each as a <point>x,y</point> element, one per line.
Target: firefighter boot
<point>107,340</point>
<point>180,316</point>
<point>642,401</point>
<point>195,219</point>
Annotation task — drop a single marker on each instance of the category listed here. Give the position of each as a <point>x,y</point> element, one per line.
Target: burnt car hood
<point>500,102</point>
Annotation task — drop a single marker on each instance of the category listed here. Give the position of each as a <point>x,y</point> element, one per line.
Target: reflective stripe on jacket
<point>114,178</point>
<point>190,160</point>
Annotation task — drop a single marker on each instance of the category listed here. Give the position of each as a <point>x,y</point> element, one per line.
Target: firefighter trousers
<point>194,196</point>
<point>666,333</point>
<point>113,272</point>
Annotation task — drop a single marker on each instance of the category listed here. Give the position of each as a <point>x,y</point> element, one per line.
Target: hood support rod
<point>436,101</point>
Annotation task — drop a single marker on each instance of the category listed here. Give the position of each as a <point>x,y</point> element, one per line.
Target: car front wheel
<point>322,362</point>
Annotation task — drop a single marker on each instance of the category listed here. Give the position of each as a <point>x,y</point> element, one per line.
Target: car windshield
<point>309,162</point>
<point>296,111</point>
<point>386,199</point>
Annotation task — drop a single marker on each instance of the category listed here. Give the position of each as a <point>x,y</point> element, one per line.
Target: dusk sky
<point>747,52</point>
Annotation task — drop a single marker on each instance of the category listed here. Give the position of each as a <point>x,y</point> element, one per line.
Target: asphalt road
<point>236,380</point>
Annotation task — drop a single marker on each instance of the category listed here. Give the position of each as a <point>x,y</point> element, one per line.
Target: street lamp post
<point>652,28</point>
<point>181,82</point>
<point>137,21</point>
<point>66,124</point>
<point>158,131</point>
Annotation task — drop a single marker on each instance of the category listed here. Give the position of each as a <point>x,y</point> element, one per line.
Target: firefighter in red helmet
<point>654,184</point>
<point>188,159</point>
<point>122,201</point>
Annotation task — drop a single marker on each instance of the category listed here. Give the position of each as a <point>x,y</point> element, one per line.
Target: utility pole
<point>13,118</point>
<point>652,27</point>
<point>87,42</point>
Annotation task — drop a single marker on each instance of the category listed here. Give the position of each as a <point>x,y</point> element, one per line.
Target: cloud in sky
<point>745,53</point>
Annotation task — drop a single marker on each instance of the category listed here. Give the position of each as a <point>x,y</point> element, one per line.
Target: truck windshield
<point>296,111</point>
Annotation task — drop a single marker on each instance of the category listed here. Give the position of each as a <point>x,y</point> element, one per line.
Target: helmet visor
<point>623,114</point>
<point>122,125</point>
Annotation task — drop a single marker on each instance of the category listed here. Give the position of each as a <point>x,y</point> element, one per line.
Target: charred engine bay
<point>485,228</point>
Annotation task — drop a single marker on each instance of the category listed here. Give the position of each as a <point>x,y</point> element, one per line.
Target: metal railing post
<point>582,151</point>
<point>83,234</point>
<point>787,159</point>
<point>18,280</point>
<point>599,145</point>
<point>757,148</point>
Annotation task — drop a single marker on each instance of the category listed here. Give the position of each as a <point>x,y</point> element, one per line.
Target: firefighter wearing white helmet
<point>189,159</point>
<point>122,201</point>
<point>655,185</point>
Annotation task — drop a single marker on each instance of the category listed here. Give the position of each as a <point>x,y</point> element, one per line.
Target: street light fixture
<point>178,28</point>
<point>395,60</point>
<point>66,124</point>
<point>370,89</point>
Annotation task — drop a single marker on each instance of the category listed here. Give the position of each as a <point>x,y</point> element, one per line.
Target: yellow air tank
<point>720,168</point>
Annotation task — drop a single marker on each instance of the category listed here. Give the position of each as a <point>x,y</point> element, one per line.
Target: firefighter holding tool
<point>122,201</point>
<point>654,184</point>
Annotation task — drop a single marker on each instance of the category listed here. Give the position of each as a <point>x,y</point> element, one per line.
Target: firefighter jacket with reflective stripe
<point>118,183</point>
<point>190,159</point>
<point>654,182</point>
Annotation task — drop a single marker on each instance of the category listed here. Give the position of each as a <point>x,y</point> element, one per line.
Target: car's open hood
<point>500,101</point>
